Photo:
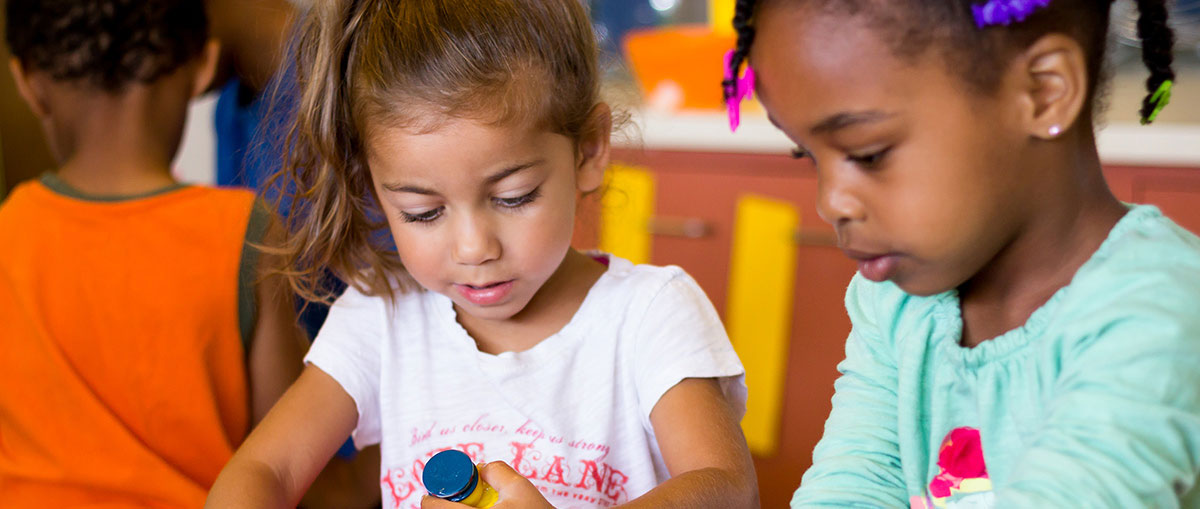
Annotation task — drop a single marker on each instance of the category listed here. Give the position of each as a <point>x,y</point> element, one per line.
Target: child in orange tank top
<point>138,344</point>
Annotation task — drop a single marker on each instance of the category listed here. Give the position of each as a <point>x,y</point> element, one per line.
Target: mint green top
<point>1094,402</point>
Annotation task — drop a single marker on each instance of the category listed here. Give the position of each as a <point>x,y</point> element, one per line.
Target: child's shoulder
<point>1144,239</point>
<point>219,211</point>
<point>1138,297</point>
<point>1147,259</point>
<point>636,273</point>
<point>49,192</point>
<point>871,303</point>
<point>17,201</point>
<point>632,281</point>
<point>233,197</point>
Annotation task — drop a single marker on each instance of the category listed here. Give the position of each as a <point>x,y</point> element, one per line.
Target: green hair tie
<point>1161,97</point>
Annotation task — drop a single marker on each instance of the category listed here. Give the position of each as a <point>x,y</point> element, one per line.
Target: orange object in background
<point>679,67</point>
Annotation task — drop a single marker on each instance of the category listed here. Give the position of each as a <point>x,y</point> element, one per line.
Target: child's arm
<point>276,359</point>
<point>690,387</point>
<point>286,451</point>
<point>719,473</point>
<point>857,461</point>
<point>277,346</point>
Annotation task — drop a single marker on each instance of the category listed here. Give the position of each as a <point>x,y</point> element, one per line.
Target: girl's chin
<point>921,287</point>
<point>502,311</point>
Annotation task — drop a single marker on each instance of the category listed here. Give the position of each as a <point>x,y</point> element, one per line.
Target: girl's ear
<point>207,67</point>
<point>1052,81</point>
<point>29,88</point>
<point>594,149</point>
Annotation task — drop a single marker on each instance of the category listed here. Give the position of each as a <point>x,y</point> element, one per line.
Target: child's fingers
<point>514,489</point>
<point>502,477</point>
<point>429,502</point>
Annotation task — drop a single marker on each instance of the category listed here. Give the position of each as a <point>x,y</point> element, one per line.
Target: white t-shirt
<point>571,414</point>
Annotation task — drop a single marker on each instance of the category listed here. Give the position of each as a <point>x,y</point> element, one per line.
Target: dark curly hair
<point>107,44</point>
<point>979,55</point>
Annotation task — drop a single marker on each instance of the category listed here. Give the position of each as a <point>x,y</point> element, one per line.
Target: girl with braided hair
<point>1020,337</point>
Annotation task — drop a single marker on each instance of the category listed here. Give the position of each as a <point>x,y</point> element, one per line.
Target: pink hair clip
<point>1005,12</point>
<point>736,90</point>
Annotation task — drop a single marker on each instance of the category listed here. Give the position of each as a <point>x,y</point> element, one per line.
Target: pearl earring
<point>1055,130</point>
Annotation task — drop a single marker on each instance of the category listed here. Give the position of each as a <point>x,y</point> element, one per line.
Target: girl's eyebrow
<point>397,188</point>
<point>843,120</point>
<point>494,178</point>
<point>507,172</point>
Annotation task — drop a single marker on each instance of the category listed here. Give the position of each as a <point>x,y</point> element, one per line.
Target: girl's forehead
<point>816,63</point>
<point>832,42</point>
<point>460,147</point>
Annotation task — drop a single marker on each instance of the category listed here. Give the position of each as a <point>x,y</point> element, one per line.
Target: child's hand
<point>516,492</point>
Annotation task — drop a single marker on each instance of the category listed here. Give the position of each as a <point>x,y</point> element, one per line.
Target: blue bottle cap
<point>451,475</point>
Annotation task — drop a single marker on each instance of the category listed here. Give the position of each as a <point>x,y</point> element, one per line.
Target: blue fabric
<point>249,131</point>
<point>1094,402</point>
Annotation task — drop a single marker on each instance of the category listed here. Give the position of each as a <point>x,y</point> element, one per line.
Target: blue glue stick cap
<point>450,475</point>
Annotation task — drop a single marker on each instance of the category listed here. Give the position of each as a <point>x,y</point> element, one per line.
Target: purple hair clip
<point>736,90</point>
<point>1005,12</point>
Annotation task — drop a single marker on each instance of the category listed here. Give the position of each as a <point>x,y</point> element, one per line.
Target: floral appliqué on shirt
<point>962,481</point>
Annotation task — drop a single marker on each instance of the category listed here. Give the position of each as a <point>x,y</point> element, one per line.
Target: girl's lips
<point>879,268</point>
<point>876,267</point>
<point>486,295</point>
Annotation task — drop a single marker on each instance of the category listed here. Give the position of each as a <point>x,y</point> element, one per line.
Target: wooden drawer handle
<point>816,238</point>
<point>696,228</point>
<point>685,227</point>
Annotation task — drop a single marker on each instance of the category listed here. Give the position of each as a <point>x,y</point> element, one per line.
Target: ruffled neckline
<point>947,310</point>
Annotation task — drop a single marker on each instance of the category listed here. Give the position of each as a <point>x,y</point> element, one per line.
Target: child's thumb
<point>501,476</point>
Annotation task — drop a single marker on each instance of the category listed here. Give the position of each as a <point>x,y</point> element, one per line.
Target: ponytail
<point>333,215</point>
<point>1158,42</point>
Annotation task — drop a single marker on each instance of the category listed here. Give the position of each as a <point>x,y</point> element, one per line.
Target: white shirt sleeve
<point>348,348</point>
<point>681,337</point>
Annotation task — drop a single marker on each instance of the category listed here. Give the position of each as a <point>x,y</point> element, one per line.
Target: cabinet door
<point>1120,182</point>
<point>1175,191</point>
<point>704,189</point>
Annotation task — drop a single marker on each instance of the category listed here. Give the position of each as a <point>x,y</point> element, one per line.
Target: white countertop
<point>1163,144</point>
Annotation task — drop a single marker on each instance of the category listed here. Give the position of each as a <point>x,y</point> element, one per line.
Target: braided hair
<point>1158,43</point>
<point>743,10</point>
<point>977,55</point>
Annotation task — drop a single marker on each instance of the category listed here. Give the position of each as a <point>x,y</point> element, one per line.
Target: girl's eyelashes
<point>432,215</point>
<point>799,153</point>
<point>869,160</point>
<point>424,217</point>
<point>520,201</point>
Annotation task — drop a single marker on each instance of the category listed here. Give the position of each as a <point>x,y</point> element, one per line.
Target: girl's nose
<point>475,242</point>
<point>837,202</point>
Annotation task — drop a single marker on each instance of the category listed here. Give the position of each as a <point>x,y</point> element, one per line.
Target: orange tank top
<point>122,370</point>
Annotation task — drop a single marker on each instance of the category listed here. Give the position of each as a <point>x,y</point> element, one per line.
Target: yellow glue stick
<point>451,475</point>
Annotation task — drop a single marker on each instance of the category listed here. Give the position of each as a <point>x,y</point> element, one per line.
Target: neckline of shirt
<point>544,349</point>
<point>60,187</point>
<point>947,308</point>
